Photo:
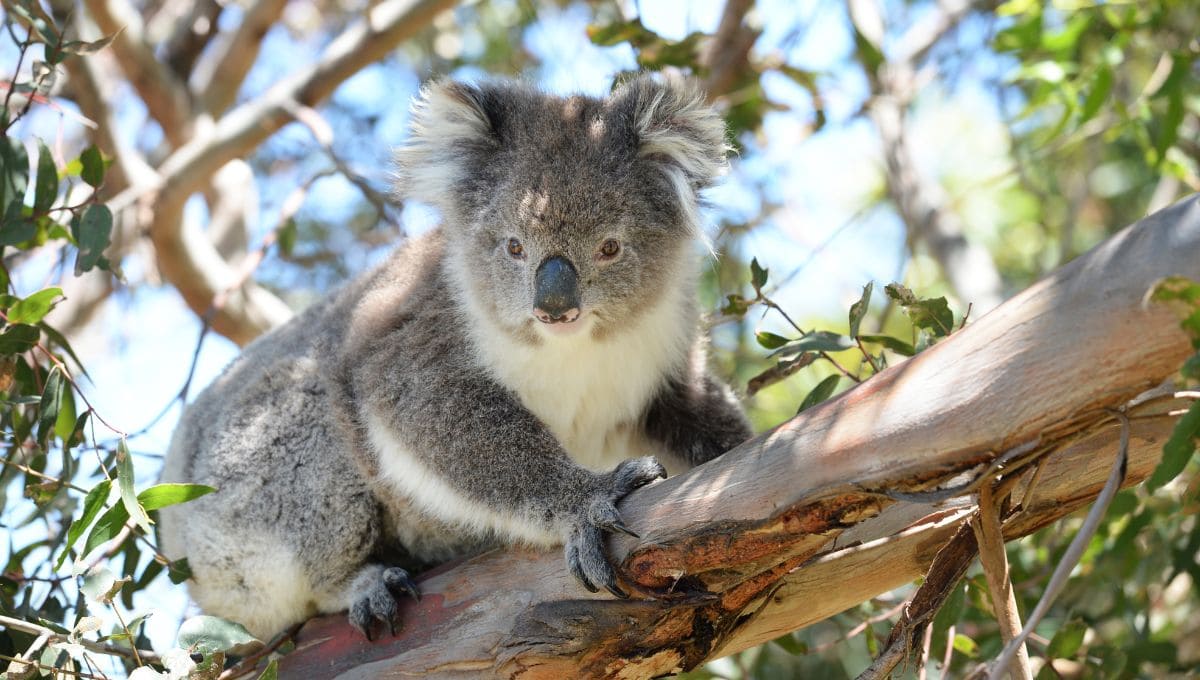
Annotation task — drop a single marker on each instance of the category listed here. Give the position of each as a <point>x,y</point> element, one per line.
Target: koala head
<point>565,215</point>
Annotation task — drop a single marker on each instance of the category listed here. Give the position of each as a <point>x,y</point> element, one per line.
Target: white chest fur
<point>590,392</point>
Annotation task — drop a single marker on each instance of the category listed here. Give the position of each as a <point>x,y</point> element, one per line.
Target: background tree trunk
<point>848,500</point>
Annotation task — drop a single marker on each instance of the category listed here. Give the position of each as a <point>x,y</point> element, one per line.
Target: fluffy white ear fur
<point>445,117</point>
<point>679,130</point>
<point>676,126</point>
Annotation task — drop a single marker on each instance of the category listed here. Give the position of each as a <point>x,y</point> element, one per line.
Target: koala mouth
<point>569,323</point>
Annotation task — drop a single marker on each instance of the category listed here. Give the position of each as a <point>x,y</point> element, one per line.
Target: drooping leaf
<point>18,338</point>
<point>1067,641</point>
<point>858,310</point>
<point>14,175</point>
<point>93,236</point>
<point>1179,448</point>
<point>106,528</point>
<point>895,344</point>
<point>33,308</point>
<point>45,188</point>
<point>92,504</point>
<point>770,340</point>
<point>101,585</point>
<point>163,495</point>
<point>125,484</point>
<point>817,341</point>
<point>179,571</point>
<point>820,393</point>
<point>92,166</point>
<point>212,634</point>
<point>791,645</point>
<point>52,400</point>
<point>271,672</point>
<point>758,275</point>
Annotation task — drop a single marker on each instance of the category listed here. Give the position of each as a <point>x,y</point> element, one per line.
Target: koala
<point>503,379</point>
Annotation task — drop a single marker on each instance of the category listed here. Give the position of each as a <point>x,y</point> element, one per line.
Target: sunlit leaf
<point>92,504</point>
<point>31,309</point>
<point>125,484</point>
<point>858,310</point>
<point>212,634</point>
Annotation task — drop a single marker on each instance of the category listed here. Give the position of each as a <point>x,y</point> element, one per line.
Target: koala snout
<point>556,291</point>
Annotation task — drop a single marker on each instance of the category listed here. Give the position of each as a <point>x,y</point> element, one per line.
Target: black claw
<point>577,569</point>
<point>398,583</point>
<point>367,631</point>
<point>621,528</point>
<point>392,626</point>
<point>616,591</point>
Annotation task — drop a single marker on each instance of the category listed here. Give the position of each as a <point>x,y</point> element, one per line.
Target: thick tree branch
<point>850,499</point>
<point>186,257</point>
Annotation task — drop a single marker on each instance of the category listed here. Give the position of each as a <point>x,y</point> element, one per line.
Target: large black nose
<point>556,291</point>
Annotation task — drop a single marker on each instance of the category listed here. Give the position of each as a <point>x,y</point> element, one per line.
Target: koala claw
<point>585,546</point>
<point>379,603</point>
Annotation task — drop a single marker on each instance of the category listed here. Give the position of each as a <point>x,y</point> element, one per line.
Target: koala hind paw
<point>379,602</point>
<point>585,546</point>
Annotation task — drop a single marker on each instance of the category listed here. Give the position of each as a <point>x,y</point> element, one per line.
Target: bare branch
<point>165,96</point>
<point>217,82</point>
<point>186,257</point>
<point>727,57</point>
<point>990,535</point>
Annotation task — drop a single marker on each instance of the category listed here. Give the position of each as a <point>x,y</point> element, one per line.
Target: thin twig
<point>92,646</point>
<point>1074,552</point>
<point>990,535</point>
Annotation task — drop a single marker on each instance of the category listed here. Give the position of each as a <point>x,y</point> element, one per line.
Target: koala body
<point>489,383</point>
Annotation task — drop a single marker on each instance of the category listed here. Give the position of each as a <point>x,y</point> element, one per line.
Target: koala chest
<point>592,394</point>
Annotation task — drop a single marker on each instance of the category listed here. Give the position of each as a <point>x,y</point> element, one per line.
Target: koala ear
<point>673,125</point>
<point>452,124</point>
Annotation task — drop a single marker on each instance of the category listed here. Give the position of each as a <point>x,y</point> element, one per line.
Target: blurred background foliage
<point>964,149</point>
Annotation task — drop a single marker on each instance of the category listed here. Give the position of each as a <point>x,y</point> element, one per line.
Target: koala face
<point>568,215</point>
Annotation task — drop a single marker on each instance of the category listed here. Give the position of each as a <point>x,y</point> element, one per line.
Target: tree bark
<point>848,500</point>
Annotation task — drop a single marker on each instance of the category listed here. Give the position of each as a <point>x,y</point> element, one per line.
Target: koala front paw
<point>585,546</point>
<point>378,602</point>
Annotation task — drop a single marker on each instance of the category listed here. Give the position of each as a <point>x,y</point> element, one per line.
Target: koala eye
<point>609,249</point>
<point>516,249</point>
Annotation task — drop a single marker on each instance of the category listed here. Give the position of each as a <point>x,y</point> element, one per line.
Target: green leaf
<point>18,338</point>
<point>210,634</point>
<point>621,31</point>
<point>1179,448</point>
<point>1067,640</point>
<point>735,305</point>
<point>52,400</point>
<point>1173,89</point>
<point>791,645</point>
<point>93,236</point>
<point>179,571</point>
<point>1098,94</point>
<point>770,340</point>
<point>966,645</point>
<point>46,185</point>
<point>858,310</point>
<point>817,341</point>
<point>1191,368</point>
<point>92,503</point>
<point>287,238</point>
<point>33,308</point>
<point>271,672</point>
<point>92,166</point>
<point>820,393</point>
<point>895,344</point>
<point>1182,296</point>
<point>125,484</point>
<point>163,495</point>
<point>758,275</point>
<point>18,227</point>
<point>14,174</point>
<point>107,528</point>
<point>101,585</point>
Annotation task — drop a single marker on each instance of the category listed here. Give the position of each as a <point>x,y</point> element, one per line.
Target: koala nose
<point>556,291</point>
